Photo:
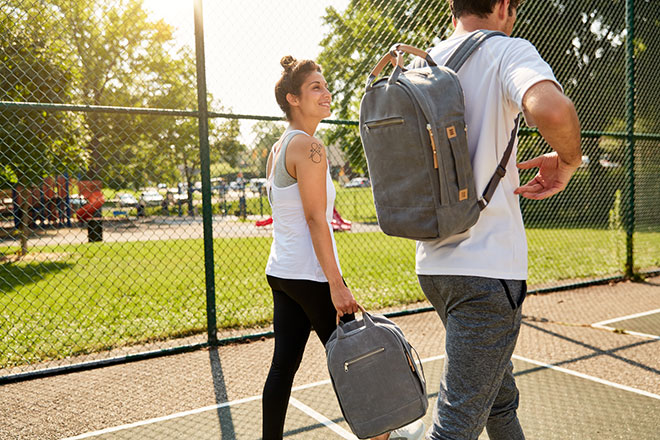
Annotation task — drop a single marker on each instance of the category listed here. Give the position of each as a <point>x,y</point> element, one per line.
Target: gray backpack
<point>378,384</point>
<point>415,140</point>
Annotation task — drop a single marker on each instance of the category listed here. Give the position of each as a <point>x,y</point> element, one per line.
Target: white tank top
<point>292,254</point>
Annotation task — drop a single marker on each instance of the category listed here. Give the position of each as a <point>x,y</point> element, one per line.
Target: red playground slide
<point>265,222</point>
<point>91,190</point>
<point>338,223</point>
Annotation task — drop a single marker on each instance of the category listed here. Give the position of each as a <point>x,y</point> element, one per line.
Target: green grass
<point>90,297</point>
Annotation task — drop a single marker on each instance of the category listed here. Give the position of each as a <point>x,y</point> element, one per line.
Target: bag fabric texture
<point>414,137</point>
<point>373,371</point>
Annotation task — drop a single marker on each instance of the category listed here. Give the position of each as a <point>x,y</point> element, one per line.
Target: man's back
<point>494,80</point>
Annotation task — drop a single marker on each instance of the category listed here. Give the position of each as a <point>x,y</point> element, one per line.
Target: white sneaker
<point>412,431</point>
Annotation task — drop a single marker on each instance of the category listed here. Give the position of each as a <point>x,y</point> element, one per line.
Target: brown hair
<point>291,80</point>
<point>480,8</point>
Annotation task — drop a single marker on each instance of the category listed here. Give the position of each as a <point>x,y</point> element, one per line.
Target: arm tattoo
<point>315,153</point>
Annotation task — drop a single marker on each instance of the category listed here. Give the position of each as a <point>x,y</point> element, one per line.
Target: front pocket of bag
<point>363,358</point>
<point>383,123</point>
<point>456,157</point>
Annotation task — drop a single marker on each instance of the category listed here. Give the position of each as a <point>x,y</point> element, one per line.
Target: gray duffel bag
<point>378,384</point>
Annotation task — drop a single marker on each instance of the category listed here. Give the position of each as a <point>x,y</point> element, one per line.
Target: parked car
<point>151,197</point>
<point>77,200</point>
<point>358,182</point>
<point>256,183</point>
<point>127,199</point>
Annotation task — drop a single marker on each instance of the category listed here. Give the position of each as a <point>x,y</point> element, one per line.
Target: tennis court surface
<point>587,365</point>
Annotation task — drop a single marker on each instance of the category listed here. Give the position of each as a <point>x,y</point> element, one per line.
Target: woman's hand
<point>343,299</point>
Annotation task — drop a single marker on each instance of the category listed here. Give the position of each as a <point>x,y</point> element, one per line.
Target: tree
<point>357,39</point>
<point>121,57</point>
<point>34,143</point>
<point>583,42</point>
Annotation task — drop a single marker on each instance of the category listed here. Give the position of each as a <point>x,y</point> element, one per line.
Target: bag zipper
<point>435,151</point>
<point>364,356</point>
<point>384,123</point>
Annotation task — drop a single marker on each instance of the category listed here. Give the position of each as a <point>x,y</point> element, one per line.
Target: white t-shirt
<point>494,80</point>
<point>292,254</point>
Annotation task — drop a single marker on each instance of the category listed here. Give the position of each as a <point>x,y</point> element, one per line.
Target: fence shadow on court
<point>225,420</point>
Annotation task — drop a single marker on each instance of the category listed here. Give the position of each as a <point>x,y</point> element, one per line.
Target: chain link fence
<point>133,141</point>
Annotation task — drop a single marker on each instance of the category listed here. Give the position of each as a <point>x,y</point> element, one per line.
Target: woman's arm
<point>306,161</point>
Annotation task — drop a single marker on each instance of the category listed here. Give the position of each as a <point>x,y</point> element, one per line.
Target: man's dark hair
<point>480,8</point>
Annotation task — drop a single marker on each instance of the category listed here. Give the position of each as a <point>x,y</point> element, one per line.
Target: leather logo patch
<point>462,195</point>
<point>451,132</point>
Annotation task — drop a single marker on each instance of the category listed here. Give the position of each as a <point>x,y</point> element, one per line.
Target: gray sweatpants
<point>482,321</point>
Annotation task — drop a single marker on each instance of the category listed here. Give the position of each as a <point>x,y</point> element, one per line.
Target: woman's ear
<point>292,99</point>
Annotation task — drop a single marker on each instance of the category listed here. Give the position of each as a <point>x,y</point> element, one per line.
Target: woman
<point>303,268</point>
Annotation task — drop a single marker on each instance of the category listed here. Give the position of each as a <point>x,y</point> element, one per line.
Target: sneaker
<point>412,431</point>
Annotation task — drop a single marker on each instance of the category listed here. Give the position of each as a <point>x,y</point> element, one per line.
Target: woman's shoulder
<point>306,144</point>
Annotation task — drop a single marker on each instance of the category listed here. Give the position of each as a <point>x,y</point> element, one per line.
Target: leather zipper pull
<point>435,151</point>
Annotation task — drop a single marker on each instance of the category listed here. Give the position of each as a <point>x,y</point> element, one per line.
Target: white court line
<point>586,376</point>
<point>162,419</point>
<point>623,318</point>
<point>209,408</point>
<point>331,424</point>
<point>627,332</point>
<point>322,419</point>
<point>602,325</point>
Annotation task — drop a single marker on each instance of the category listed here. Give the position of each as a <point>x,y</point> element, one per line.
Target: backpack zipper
<point>435,151</point>
<point>384,123</point>
<point>364,356</point>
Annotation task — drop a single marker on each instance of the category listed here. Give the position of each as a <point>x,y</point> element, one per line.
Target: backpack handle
<point>366,317</point>
<point>395,56</point>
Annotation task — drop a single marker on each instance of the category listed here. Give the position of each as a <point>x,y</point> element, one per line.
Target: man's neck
<point>471,23</point>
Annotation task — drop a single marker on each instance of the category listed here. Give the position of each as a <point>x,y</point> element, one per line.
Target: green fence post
<point>630,139</point>
<point>207,213</point>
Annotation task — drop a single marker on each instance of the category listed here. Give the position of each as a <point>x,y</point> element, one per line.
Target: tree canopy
<point>583,41</point>
<point>115,54</point>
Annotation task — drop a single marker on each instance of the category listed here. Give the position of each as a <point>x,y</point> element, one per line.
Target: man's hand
<point>554,115</point>
<point>553,176</point>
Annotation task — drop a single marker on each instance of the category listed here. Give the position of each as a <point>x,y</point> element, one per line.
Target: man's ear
<point>503,9</point>
<point>292,99</point>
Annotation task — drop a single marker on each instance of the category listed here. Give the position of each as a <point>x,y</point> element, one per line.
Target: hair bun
<point>288,62</point>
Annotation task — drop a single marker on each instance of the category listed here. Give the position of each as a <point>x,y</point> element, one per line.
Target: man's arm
<point>555,116</point>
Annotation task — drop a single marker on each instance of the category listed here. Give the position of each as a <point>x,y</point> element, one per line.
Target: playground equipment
<point>338,223</point>
<point>90,190</point>
<point>47,203</point>
<point>90,213</point>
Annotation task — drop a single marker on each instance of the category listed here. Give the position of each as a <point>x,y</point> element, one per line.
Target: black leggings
<point>299,306</point>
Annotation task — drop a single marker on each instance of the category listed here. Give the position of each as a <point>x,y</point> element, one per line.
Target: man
<point>476,280</point>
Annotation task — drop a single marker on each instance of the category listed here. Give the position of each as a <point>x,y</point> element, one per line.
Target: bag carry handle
<point>395,56</point>
<point>366,317</point>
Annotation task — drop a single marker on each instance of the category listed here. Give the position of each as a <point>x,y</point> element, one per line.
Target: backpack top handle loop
<point>395,56</point>
<point>412,50</point>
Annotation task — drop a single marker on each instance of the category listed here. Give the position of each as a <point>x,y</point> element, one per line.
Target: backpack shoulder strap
<point>501,169</point>
<point>463,52</point>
